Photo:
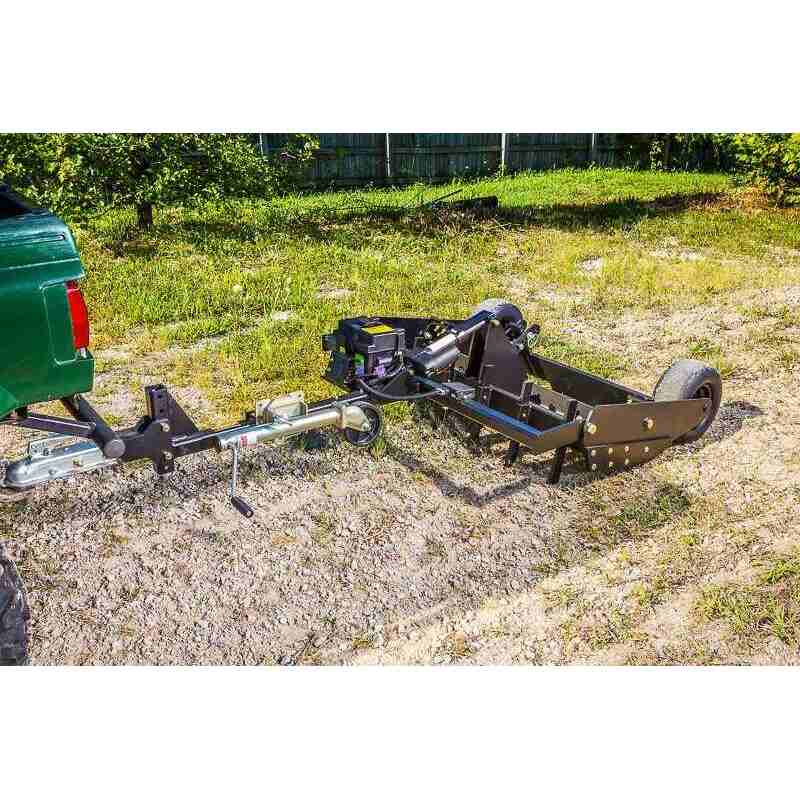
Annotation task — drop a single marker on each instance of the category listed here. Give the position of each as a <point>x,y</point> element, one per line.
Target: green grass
<point>768,606</point>
<point>247,277</point>
<point>710,352</point>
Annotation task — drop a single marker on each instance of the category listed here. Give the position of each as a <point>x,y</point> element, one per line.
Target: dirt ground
<point>426,553</point>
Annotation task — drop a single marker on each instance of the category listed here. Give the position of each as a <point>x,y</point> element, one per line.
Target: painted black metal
<point>242,506</point>
<point>479,369</point>
<point>44,422</point>
<point>107,439</point>
<point>558,458</point>
<point>580,385</point>
<point>502,367</point>
<point>535,439</point>
<point>620,455</point>
<point>629,422</point>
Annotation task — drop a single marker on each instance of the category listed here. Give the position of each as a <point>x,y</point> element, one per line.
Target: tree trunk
<point>667,150</point>
<point>144,216</point>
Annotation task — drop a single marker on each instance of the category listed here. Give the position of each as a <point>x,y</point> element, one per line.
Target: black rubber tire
<point>366,438</point>
<point>687,379</point>
<point>506,312</point>
<point>14,615</point>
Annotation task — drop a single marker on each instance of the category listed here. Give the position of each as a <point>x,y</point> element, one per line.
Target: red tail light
<point>79,315</point>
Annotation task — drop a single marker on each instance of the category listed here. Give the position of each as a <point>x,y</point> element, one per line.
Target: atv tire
<point>685,380</point>
<point>507,313</point>
<point>14,615</point>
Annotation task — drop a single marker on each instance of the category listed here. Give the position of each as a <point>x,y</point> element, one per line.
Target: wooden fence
<point>358,159</point>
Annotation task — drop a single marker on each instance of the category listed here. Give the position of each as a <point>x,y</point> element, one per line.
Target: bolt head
<point>594,467</point>
<point>591,428</point>
<point>165,427</point>
<point>167,455</point>
<point>627,449</point>
<point>646,449</point>
<point>648,423</point>
<point>594,452</point>
<point>611,465</point>
<point>627,461</point>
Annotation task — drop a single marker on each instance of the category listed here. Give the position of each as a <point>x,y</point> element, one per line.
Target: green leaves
<point>75,174</point>
<point>771,161</point>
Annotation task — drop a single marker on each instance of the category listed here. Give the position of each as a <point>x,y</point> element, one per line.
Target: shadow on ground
<point>731,418</point>
<point>325,224</point>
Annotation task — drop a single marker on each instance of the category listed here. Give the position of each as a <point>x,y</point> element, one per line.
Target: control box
<point>362,347</point>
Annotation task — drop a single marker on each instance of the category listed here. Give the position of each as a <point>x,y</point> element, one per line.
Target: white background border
<point>438,65</point>
<point>410,66</point>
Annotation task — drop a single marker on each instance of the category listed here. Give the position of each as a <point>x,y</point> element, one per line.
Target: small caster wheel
<point>366,438</point>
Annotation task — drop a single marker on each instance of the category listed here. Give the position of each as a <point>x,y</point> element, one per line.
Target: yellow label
<point>378,329</point>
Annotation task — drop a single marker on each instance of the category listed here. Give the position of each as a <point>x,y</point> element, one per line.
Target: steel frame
<point>490,382</point>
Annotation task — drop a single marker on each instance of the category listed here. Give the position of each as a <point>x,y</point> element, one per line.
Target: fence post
<point>388,157</point>
<point>505,152</point>
<point>593,149</point>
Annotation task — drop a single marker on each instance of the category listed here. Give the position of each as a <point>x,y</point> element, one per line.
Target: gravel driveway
<point>426,553</point>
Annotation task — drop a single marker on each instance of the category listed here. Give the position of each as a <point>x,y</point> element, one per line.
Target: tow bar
<point>476,373</point>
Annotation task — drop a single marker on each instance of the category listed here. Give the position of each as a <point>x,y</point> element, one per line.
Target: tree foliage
<point>78,173</point>
<point>701,152</point>
<point>771,161</point>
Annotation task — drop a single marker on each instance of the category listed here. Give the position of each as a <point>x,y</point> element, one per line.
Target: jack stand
<point>237,502</point>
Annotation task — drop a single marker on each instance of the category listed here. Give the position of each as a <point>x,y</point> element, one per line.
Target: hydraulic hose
<point>391,397</point>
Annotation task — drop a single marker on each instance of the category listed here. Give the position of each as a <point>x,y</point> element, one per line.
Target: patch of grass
<point>781,569</point>
<point>580,355</point>
<point>456,646</point>
<point>250,276</point>
<point>784,315</point>
<point>710,352</point>
<point>779,349</point>
<point>769,606</point>
<point>639,280</point>
<point>435,548</point>
<point>680,560</point>
<point>616,627</point>
<point>325,525</point>
<point>787,356</point>
<point>667,502</point>
<point>609,524</point>
<point>363,641</point>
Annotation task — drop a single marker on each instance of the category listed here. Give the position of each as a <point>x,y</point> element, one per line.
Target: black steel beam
<point>44,422</point>
<point>536,440</point>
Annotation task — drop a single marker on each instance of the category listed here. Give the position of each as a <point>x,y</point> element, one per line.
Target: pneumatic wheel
<point>688,379</point>
<point>366,438</point>
<point>14,615</point>
<point>506,312</point>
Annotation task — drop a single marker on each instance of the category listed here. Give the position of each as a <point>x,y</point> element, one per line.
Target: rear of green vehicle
<point>44,328</point>
<point>44,340</point>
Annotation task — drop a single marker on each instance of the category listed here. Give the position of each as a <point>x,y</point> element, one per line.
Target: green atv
<point>474,374</point>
